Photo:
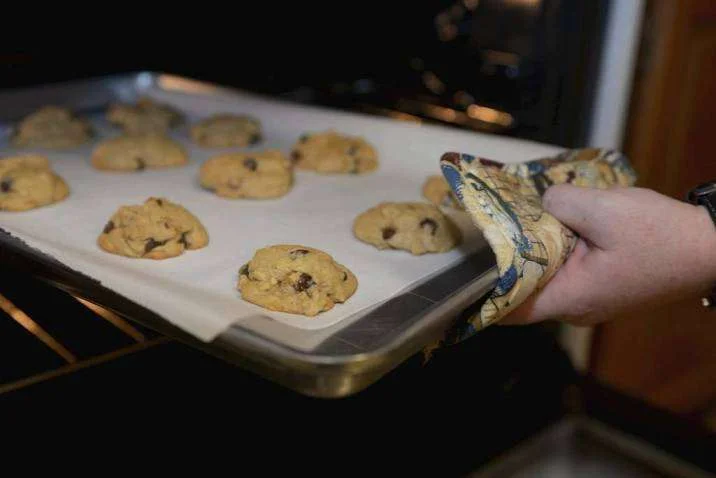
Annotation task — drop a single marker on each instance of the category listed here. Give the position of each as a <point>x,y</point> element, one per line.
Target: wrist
<point>707,230</point>
<point>703,197</point>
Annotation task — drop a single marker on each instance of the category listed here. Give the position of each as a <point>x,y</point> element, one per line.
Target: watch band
<point>705,195</point>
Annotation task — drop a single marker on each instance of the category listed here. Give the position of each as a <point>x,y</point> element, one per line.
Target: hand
<point>637,249</point>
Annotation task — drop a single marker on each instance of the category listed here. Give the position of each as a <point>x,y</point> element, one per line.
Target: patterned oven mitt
<point>505,203</point>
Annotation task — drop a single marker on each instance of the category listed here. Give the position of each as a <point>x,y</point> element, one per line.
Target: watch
<point>705,195</point>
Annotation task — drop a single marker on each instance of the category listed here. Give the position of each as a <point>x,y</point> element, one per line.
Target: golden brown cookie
<point>138,152</point>
<point>226,130</point>
<point>146,116</point>
<point>52,127</point>
<point>295,279</point>
<point>28,182</point>
<point>260,175</point>
<point>416,227</point>
<point>330,152</point>
<point>157,229</point>
<point>437,190</point>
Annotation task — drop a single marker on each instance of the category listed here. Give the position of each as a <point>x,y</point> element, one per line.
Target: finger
<point>522,315</point>
<point>561,298</point>
<point>584,210</point>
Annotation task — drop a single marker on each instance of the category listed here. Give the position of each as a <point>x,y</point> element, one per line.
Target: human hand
<point>637,249</point>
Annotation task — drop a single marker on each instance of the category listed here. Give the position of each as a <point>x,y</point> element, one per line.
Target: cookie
<point>28,182</point>
<point>138,152</point>
<point>226,130</point>
<point>51,127</point>
<point>146,116</point>
<point>157,229</point>
<point>329,152</point>
<point>261,175</point>
<point>419,228</point>
<point>295,279</point>
<point>437,190</point>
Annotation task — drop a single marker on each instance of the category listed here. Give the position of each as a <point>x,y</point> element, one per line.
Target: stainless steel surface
<point>580,447</point>
<point>343,363</point>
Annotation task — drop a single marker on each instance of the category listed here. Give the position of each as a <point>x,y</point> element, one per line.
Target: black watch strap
<point>705,195</point>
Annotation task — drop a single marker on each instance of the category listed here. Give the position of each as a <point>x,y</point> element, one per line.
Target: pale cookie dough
<point>330,152</point>
<point>437,190</point>
<point>138,152</point>
<point>146,116</point>
<point>157,229</point>
<point>226,130</point>
<point>295,279</point>
<point>28,182</point>
<point>419,228</point>
<point>52,127</point>
<point>260,175</point>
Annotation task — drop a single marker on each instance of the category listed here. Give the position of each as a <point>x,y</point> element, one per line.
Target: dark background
<point>536,60</point>
<point>497,388</point>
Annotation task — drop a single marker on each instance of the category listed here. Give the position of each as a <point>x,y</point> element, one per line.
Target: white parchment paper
<point>197,291</point>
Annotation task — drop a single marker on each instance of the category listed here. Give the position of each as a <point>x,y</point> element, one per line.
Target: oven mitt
<point>505,203</point>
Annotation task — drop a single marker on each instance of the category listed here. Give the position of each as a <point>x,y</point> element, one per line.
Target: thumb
<point>582,209</point>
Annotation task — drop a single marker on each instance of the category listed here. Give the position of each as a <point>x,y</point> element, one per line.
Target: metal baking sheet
<point>581,446</point>
<point>335,360</point>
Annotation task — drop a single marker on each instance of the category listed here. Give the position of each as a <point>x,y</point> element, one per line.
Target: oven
<point>523,69</point>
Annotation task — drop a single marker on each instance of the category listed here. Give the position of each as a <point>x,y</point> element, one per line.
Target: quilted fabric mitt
<point>505,203</point>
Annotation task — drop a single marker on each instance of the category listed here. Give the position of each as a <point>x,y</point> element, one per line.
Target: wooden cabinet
<point>668,355</point>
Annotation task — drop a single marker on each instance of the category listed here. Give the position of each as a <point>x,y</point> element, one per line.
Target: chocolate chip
<point>352,150</point>
<point>345,276</point>
<point>152,244</point>
<point>429,223</point>
<point>295,155</point>
<point>251,164</point>
<point>303,138</point>
<point>160,202</point>
<point>255,138</point>
<point>108,227</point>
<point>244,271</point>
<point>388,232</point>
<point>141,164</point>
<point>183,241</point>
<point>356,163</point>
<point>297,253</point>
<point>304,282</point>
<point>6,185</point>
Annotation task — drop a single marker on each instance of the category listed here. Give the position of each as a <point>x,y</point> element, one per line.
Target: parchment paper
<point>197,291</point>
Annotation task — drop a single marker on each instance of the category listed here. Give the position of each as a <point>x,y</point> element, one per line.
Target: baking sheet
<point>578,446</point>
<point>196,291</point>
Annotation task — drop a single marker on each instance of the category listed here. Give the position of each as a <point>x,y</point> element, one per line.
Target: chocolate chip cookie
<point>145,116</point>
<point>226,130</point>
<point>330,152</point>
<point>157,229</point>
<point>51,127</point>
<point>28,182</point>
<point>261,175</point>
<point>295,279</point>
<point>437,190</point>
<point>419,228</point>
<point>138,152</point>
